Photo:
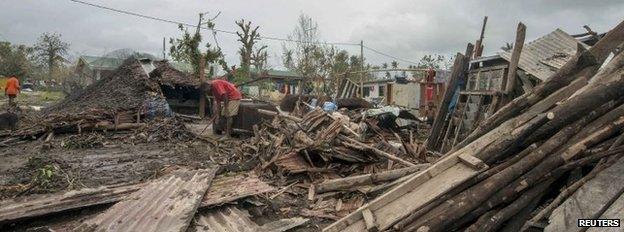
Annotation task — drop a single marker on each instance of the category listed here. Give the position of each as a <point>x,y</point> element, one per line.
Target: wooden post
<point>459,67</point>
<point>442,110</point>
<point>513,63</point>
<point>362,69</point>
<point>202,95</point>
<point>479,45</point>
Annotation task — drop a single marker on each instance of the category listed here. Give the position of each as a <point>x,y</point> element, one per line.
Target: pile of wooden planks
<point>517,158</point>
<point>318,139</point>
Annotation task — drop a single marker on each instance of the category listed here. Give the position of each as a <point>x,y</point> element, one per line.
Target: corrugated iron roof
<point>33,206</point>
<point>543,56</point>
<point>101,63</point>
<point>229,188</point>
<point>225,219</point>
<point>233,219</point>
<point>167,204</point>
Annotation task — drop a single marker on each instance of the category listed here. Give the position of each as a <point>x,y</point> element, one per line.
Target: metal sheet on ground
<point>166,204</point>
<point>230,218</point>
<point>230,188</point>
<point>33,206</point>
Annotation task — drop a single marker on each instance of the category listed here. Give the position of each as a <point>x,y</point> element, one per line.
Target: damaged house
<point>483,91</point>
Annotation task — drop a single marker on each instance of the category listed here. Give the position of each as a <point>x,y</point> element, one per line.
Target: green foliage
<point>241,75</point>
<point>187,47</point>
<point>431,61</point>
<point>14,60</point>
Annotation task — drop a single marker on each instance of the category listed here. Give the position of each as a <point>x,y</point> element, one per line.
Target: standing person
<point>11,90</point>
<point>226,93</point>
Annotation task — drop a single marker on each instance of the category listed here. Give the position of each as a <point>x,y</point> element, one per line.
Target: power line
<point>214,30</point>
<point>206,28</point>
<point>391,56</point>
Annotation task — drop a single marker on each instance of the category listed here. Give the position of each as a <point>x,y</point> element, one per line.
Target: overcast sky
<point>403,28</point>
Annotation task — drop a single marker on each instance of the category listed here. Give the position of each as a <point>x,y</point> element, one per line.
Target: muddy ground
<point>23,166</point>
<point>90,160</point>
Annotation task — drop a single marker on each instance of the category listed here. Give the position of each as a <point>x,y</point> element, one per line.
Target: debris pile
<point>321,142</point>
<point>525,161</point>
<point>125,100</point>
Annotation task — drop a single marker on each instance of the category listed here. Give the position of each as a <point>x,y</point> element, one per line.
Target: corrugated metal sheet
<point>292,162</point>
<point>230,188</point>
<point>543,56</point>
<point>167,204</point>
<point>232,219</point>
<point>225,219</point>
<point>33,206</point>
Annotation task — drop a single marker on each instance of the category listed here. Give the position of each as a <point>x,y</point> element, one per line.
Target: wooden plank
<point>407,197</point>
<point>615,211</point>
<point>484,92</point>
<point>526,83</point>
<point>421,189</point>
<point>473,162</point>
<point>369,220</point>
<point>166,204</point>
<point>442,111</point>
<point>460,124</point>
<point>589,200</point>
<point>373,178</point>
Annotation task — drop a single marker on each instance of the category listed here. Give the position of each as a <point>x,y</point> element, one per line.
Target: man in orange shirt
<point>11,89</point>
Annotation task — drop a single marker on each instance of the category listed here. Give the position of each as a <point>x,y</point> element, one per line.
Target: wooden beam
<point>354,181</point>
<point>369,219</point>
<point>442,111</point>
<point>515,58</point>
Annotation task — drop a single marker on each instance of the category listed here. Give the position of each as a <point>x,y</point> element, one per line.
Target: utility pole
<point>202,95</point>
<point>164,49</point>
<point>362,68</point>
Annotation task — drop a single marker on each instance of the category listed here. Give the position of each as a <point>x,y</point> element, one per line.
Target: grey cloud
<point>404,28</point>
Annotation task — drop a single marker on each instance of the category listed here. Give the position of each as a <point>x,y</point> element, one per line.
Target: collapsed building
<point>484,89</point>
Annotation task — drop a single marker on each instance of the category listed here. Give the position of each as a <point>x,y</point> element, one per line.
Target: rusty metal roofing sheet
<point>230,188</point>
<point>225,219</point>
<point>232,219</point>
<point>543,56</point>
<point>166,204</point>
<point>292,162</point>
<point>33,206</point>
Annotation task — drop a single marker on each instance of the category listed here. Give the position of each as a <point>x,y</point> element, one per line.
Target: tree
<point>304,56</point>
<point>14,60</point>
<point>186,49</point>
<point>49,51</point>
<point>249,52</point>
<point>260,58</point>
<point>248,37</point>
<point>432,61</point>
<point>394,64</point>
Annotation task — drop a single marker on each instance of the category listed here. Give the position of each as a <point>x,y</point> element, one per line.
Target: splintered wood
<point>293,144</point>
<point>515,160</point>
